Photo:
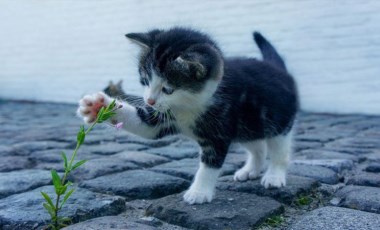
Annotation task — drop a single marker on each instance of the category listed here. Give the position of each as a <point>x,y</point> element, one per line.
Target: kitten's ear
<point>141,39</point>
<point>119,83</point>
<point>191,64</point>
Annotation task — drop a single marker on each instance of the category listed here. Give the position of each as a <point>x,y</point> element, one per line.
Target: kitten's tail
<point>268,51</point>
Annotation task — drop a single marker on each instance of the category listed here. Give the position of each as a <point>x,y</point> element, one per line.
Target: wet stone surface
<point>228,210</point>
<point>334,218</point>
<point>295,186</point>
<point>137,184</point>
<point>336,161</point>
<point>25,211</point>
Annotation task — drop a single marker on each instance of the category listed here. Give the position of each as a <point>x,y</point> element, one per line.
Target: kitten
<point>190,88</point>
<point>116,91</point>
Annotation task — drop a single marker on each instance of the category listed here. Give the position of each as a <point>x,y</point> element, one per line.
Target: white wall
<point>60,50</point>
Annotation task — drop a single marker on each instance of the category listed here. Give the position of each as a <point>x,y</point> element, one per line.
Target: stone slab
<point>295,186</point>
<point>175,152</point>
<point>100,167</point>
<point>228,210</point>
<point>187,168</point>
<point>20,181</point>
<point>10,163</point>
<point>334,218</point>
<point>365,179</point>
<point>141,158</point>
<point>137,184</point>
<point>25,210</point>
<point>322,174</point>
<point>360,197</point>
<point>316,154</point>
<point>373,167</point>
<point>338,165</point>
<point>109,222</point>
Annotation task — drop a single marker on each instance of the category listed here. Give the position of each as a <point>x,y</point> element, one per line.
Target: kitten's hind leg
<point>279,150</point>
<point>256,151</point>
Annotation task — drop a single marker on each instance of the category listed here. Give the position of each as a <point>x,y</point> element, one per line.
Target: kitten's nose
<point>151,101</point>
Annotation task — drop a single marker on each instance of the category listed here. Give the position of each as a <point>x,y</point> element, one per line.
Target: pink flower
<point>119,125</point>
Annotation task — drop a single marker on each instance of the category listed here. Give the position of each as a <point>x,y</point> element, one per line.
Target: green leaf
<point>64,160</point>
<point>49,209</point>
<point>56,181</point>
<point>68,194</point>
<point>48,199</point>
<point>79,163</point>
<point>106,116</point>
<point>111,106</point>
<point>81,135</point>
<point>100,113</point>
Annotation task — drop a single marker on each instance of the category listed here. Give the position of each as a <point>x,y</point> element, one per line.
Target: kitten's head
<point>179,68</point>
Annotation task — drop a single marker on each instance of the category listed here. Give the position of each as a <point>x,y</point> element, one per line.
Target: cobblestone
<point>336,158</point>
<point>229,210</point>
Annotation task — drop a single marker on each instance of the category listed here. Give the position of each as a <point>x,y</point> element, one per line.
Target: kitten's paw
<point>193,196</point>
<point>90,105</point>
<point>241,175</point>
<point>274,179</point>
<point>253,175</point>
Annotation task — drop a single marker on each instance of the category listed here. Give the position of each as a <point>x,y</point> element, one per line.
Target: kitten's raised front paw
<point>90,105</point>
<point>274,179</point>
<point>193,196</point>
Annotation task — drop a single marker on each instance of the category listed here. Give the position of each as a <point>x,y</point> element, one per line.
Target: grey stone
<point>108,222</point>
<point>334,218</point>
<point>128,138</point>
<point>348,150</point>
<point>295,185</point>
<point>100,167</point>
<point>314,154</point>
<point>338,165</point>
<point>373,167</point>
<point>10,163</point>
<point>137,184</point>
<point>25,148</point>
<point>25,211</point>
<point>317,137</point>
<point>176,152</point>
<point>20,181</point>
<point>141,158</point>
<point>356,142</point>
<point>236,159</point>
<point>228,210</point>
<point>322,174</point>
<point>373,157</point>
<point>187,168</point>
<point>5,150</point>
<point>302,145</point>
<point>105,149</point>
<point>360,197</point>
<point>365,179</point>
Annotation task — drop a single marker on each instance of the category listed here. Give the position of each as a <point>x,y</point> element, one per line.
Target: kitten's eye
<point>167,91</point>
<point>144,81</point>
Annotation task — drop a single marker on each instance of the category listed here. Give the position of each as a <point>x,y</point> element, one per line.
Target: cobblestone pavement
<point>133,183</point>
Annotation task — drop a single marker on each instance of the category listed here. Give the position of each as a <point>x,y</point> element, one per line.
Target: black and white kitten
<point>190,88</point>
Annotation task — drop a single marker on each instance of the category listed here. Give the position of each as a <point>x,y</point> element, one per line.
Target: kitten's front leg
<point>130,116</point>
<point>203,187</point>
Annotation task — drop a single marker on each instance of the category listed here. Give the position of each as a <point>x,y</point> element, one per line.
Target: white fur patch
<point>255,161</point>
<point>203,188</point>
<point>279,150</point>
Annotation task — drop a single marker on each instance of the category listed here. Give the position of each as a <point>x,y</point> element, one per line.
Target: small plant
<point>274,221</point>
<point>303,200</point>
<point>61,184</point>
